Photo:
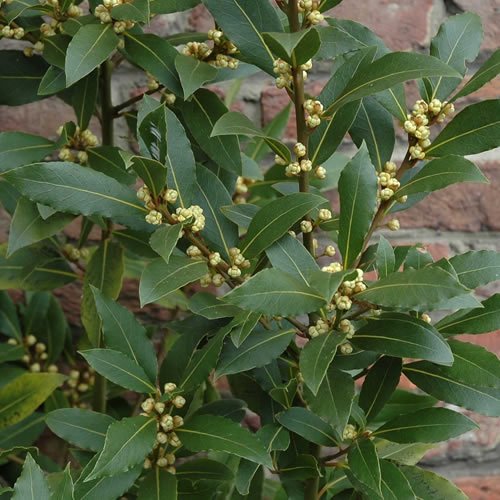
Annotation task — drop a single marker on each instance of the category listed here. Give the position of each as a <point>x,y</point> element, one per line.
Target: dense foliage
<point>280,380</point>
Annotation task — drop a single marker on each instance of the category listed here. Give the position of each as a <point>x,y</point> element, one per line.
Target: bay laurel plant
<point>292,321</point>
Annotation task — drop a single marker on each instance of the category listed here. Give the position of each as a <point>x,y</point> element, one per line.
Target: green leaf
<point>138,11</point>
<point>203,468</point>
<point>200,114</point>
<point>158,484</point>
<point>389,70</point>
<point>202,362</point>
<point>480,320</point>
<point>84,98</point>
<point>108,160</point>
<point>246,323</point>
<point>334,398</point>
<point>427,484</point>
<point>127,444</point>
<point>152,172</point>
<point>120,369</point>
<point>423,289</point>
<point>290,256</point>
<point>54,50</point>
<point>18,148</point>
<point>408,454</point>
<point>53,81</point>
<point>400,335</point>
<point>374,126</point>
<point>9,321</point>
<point>274,292</point>
<point>61,485</point>
<point>164,240</point>
<point>394,484</point>
<point>209,432</point>
<point>91,45</point>
<point>358,203</point>
<point>105,272</point>
<point>20,77</point>
<point>365,466</point>
<point>379,385</point>
<point>11,352</point>
<point>234,123</point>
<point>31,484</point>
<point>159,278</point>
<point>241,215</point>
<point>122,332</point>
<point>483,75</point>
<point>21,397</point>
<point>193,73</point>
<point>437,381</point>
<point>68,187</point>
<point>307,425</point>
<point>295,48</point>
<point>317,356</point>
<point>477,268</point>
<point>244,21</point>
<point>384,258</point>
<point>210,194</point>
<point>440,173</point>
<point>259,349</point>
<point>430,425</point>
<point>276,219</point>
<point>211,307</point>
<point>156,56</point>
<point>458,41</point>
<point>402,402</point>
<point>171,6</point>
<point>474,130</point>
<point>83,428</point>
<point>28,226</point>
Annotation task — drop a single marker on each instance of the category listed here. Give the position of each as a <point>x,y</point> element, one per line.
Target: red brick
<point>200,19</point>
<point>480,488</point>
<point>490,341</point>
<point>489,10</point>
<point>402,24</point>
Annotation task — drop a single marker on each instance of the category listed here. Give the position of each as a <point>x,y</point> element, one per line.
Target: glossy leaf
<point>23,395</point>
<point>152,172</point>
<point>385,259</point>
<point>480,320</point>
<point>477,268</point>
<point>427,484</point>
<point>474,130</point>
<point>274,292</point>
<point>401,335</point>
<point>308,425</point>
<point>394,484</point>
<point>83,428</point>
<point>457,42</point>
<point>18,148</point>
<point>259,349</point>
<point>440,173</point>
<point>127,444</point>
<point>108,160</point>
<point>208,432</point>
<point>91,45</point>
<point>61,485</point>
<point>334,399</point>
<point>437,381</point>
<point>211,307</point>
<point>31,484</point>
<point>118,368</point>
<point>379,385</point>
<point>157,485</point>
<point>421,289</point>
<point>193,73</point>
<point>122,332</point>
<point>155,55</point>
<point>317,356</point>
<point>244,21</point>
<point>67,187</point>
<point>159,278</point>
<point>364,466</point>
<point>275,219</point>
<point>358,198</point>
<point>164,240</point>
<point>431,425</point>
<point>295,48</point>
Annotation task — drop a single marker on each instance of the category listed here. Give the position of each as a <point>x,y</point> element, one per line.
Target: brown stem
<point>118,108</point>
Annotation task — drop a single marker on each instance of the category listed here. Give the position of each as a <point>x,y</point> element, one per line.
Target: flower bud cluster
<point>346,348</point>
<point>283,71</point>
<point>311,11</point>
<point>329,251</point>
<point>153,83</point>
<point>166,425</point>
<point>241,189</point>
<point>35,355</point>
<point>191,216</point>
<point>237,262</point>
<point>36,49</point>
<point>349,433</point>
<point>8,32</point>
<point>74,254</point>
<point>321,327</point>
<point>219,56</point>
<point>388,184</point>
<point>78,385</point>
<point>342,298</point>
<point>419,121</point>
<point>333,267</point>
<point>314,110</point>
<point>103,12</point>
<point>345,326</point>
<point>74,149</point>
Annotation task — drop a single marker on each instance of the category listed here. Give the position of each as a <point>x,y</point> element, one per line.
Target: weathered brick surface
<point>480,488</point>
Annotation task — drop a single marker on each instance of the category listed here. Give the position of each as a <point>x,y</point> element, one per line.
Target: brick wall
<point>455,220</point>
